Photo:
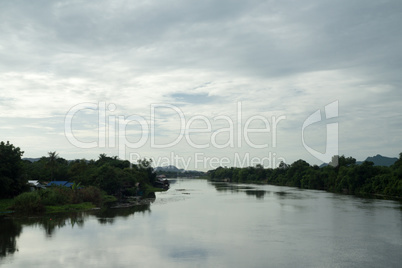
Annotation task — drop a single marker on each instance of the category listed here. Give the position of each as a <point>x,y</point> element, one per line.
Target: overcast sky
<point>73,62</point>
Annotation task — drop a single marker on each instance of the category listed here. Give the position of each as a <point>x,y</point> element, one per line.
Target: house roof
<point>59,183</point>
<point>34,183</point>
<point>69,184</point>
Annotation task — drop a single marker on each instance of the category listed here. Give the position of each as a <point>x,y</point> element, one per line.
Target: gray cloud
<point>265,38</point>
<point>278,57</point>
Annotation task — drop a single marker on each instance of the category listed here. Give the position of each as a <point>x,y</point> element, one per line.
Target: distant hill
<point>168,169</point>
<point>378,160</point>
<point>31,159</point>
<point>174,172</point>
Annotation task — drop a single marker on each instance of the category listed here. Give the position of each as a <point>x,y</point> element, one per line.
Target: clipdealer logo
<point>112,133</point>
<point>239,131</point>
<point>332,143</point>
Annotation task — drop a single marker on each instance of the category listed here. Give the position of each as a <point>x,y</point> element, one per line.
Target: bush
<point>54,196</point>
<point>130,191</point>
<point>29,202</point>
<point>90,194</point>
<point>63,195</point>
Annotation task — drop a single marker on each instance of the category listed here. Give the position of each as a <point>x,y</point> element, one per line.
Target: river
<point>202,224</point>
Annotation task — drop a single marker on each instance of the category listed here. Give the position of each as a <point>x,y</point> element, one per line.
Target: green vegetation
<point>99,182</point>
<point>114,176</point>
<point>6,205</point>
<point>345,177</point>
<point>58,199</point>
<point>29,202</point>
<point>70,208</point>
<point>12,179</point>
<point>108,199</point>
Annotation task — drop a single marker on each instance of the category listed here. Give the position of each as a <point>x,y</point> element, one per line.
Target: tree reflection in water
<point>107,216</point>
<point>11,228</point>
<point>235,188</point>
<point>9,231</point>
<point>259,194</point>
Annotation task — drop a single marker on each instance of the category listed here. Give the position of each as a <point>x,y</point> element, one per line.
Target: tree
<point>145,166</point>
<point>342,161</point>
<point>11,181</point>
<point>296,171</point>
<point>52,163</point>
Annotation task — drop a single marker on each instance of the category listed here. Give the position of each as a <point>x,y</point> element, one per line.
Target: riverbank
<point>347,177</point>
<point>344,192</point>
<point>56,200</point>
<point>5,205</point>
<point>60,200</point>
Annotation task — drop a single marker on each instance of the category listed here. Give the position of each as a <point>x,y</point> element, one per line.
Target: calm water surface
<point>202,224</point>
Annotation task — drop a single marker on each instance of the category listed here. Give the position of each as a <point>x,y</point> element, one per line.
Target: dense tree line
<point>114,176</point>
<point>186,174</point>
<point>12,179</point>
<point>346,176</point>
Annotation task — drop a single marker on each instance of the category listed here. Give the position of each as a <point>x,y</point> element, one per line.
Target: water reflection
<point>217,225</point>
<point>259,194</point>
<point>224,187</point>
<point>50,223</point>
<point>108,216</point>
<point>11,227</point>
<point>235,188</point>
<point>9,231</point>
<point>189,254</point>
<point>287,195</point>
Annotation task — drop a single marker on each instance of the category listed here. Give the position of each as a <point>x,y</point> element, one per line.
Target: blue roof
<point>59,183</point>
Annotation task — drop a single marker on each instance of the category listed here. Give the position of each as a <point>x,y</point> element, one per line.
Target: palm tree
<point>52,162</point>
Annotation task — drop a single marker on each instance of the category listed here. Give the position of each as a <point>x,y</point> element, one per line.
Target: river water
<point>202,224</point>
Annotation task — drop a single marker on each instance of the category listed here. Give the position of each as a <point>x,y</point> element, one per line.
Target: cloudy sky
<point>130,78</point>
